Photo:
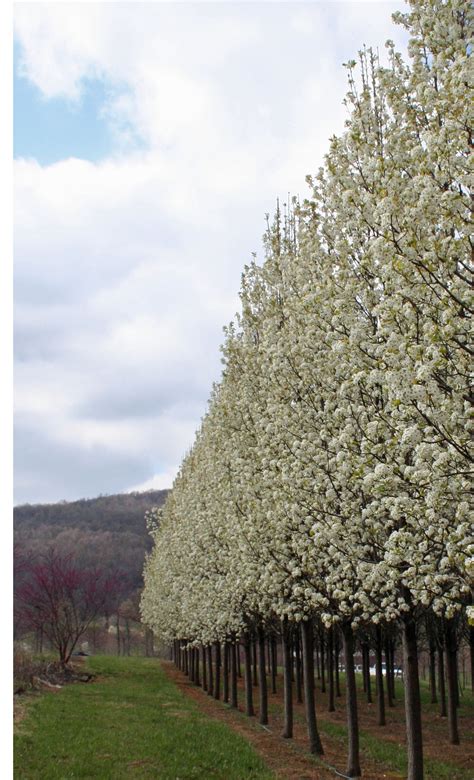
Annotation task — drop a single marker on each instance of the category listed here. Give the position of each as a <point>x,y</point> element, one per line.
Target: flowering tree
<point>327,486</point>
<point>61,599</point>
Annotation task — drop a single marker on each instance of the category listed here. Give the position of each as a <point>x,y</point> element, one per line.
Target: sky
<point>150,141</point>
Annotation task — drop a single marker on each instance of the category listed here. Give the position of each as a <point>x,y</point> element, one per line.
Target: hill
<point>108,531</point>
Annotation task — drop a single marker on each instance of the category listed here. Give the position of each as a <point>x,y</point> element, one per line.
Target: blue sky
<point>52,130</point>
<point>55,128</point>
<point>150,141</point>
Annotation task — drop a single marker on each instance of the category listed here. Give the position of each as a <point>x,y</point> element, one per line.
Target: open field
<point>143,718</point>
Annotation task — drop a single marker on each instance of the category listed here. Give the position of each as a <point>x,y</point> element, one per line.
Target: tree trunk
<point>225,674</point>
<point>248,676</point>
<point>366,671</point>
<point>233,675</point>
<point>432,646</point>
<point>273,647</point>
<point>330,655</point>
<point>204,668</point>
<point>186,670</point>
<point>322,662</point>
<point>254,662</point>
<point>196,667</point>
<point>392,670</point>
<point>412,700</point>
<point>299,675</point>
<point>443,711</point>
<point>337,650</point>
<point>287,732</point>
<point>451,669</point>
<point>239,667</point>
<point>210,672</point>
<point>217,679</point>
<point>191,664</point>
<point>307,641</point>
<point>379,677</point>
<point>149,643</point>
<point>471,653</point>
<point>388,673</point>
<point>353,760</point>
<point>262,679</point>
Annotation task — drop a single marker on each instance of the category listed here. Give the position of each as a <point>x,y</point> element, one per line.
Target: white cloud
<point>127,269</point>
<point>161,481</point>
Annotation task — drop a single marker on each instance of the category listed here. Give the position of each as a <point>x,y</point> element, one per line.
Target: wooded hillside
<point>108,531</point>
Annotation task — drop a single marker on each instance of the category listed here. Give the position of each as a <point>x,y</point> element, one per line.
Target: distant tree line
<point>89,555</point>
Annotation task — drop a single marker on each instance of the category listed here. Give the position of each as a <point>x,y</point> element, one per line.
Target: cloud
<point>126,269</point>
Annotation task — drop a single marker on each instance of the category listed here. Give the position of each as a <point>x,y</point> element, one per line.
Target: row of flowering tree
<point>325,498</point>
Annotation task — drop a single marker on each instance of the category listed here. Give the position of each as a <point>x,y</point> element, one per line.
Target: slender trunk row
<point>216,667</point>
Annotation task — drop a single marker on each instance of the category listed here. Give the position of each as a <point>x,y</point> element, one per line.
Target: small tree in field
<point>61,599</point>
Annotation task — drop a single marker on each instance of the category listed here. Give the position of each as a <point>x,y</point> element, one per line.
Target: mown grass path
<point>132,722</point>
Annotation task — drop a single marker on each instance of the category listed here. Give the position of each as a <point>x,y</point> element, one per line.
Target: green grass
<point>132,723</point>
<point>393,756</point>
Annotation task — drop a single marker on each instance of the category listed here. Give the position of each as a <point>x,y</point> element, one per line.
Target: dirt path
<point>289,759</point>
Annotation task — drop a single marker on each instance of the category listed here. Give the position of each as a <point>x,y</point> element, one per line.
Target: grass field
<point>138,720</point>
<point>132,722</point>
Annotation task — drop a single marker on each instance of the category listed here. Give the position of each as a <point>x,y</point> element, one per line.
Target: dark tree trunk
<point>471,653</point>
<point>273,647</point>
<point>298,669</point>
<point>379,677</point>
<point>262,679</point>
<point>318,666</point>
<point>210,672</point>
<point>337,650</point>
<point>443,711</point>
<point>412,700</point>
<point>388,672</point>
<point>191,664</point>
<point>225,674</point>
<point>233,675</point>
<point>186,669</point>
<point>330,656</point>
<point>196,666</point>
<point>287,732</point>
<point>204,668</point>
<point>452,678</point>
<point>392,669</point>
<point>239,666</point>
<point>248,676</point>
<point>254,662</point>
<point>432,647</point>
<point>217,679</point>
<point>322,661</point>
<point>365,666</point>
<point>307,641</point>
<point>353,760</point>
<point>127,636</point>
<point>366,671</point>
<point>149,644</point>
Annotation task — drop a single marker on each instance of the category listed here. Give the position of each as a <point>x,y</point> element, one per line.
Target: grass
<point>394,756</point>
<point>132,723</point>
<point>391,754</point>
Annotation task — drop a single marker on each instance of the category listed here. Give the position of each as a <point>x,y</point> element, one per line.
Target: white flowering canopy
<point>331,474</point>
